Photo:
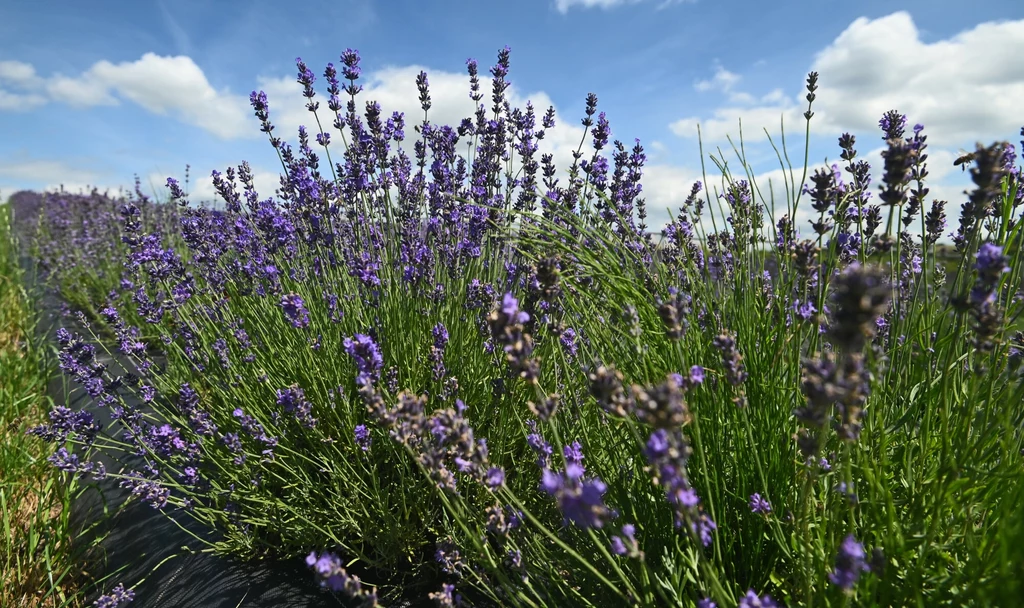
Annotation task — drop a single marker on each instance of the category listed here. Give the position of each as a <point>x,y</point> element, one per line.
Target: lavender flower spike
<point>119,596</point>
<point>850,562</point>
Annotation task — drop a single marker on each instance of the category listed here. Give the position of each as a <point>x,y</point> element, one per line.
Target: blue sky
<point>92,93</point>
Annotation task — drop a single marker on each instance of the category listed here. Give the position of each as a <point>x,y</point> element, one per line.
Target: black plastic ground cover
<point>137,540</point>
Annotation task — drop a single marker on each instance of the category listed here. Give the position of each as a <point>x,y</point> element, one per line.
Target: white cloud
<point>563,6</point>
<point>163,85</point>
<point>22,76</point>
<point>722,81</point>
<point>964,88</point>
<point>18,73</point>
<point>80,92</point>
<point>20,103</point>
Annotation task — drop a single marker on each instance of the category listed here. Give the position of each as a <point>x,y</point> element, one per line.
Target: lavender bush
<point>475,380</point>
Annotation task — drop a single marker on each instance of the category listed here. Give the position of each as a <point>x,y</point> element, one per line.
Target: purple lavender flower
<point>568,342</point>
<point>295,310</point>
<point>440,333</point>
<point>662,406</point>
<point>990,264</point>
<point>148,489</point>
<point>294,401</point>
<point>579,500</point>
<point>367,355</point>
<point>751,600</point>
<point>363,439</point>
<point>65,422</point>
<point>540,447</point>
<point>703,526</point>
<point>732,360</point>
<point>506,326</point>
<point>446,597</point>
<point>674,312</point>
<point>447,554</point>
<point>850,563</point>
<point>667,452</point>
<point>861,295</point>
<point>69,463</point>
<point>804,310</point>
<point>331,573</point>
<point>935,222</point>
<point>759,504</point>
<point>574,454</point>
<point>119,596</point>
<point>626,543</point>
<point>495,477</point>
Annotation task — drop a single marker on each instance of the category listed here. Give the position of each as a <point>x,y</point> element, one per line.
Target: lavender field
<point>472,383</point>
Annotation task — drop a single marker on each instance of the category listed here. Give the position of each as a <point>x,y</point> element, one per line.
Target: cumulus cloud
<point>723,80</point>
<point>965,88</point>
<point>19,74</point>
<point>16,102</point>
<point>22,76</point>
<point>173,86</point>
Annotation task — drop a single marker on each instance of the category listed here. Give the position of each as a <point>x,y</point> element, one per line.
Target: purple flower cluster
<point>759,504</point>
<point>674,312</point>
<point>443,439</point>
<point>65,423</point>
<point>294,402</point>
<point>149,490</point>
<point>732,360</point>
<point>118,596</point>
<point>752,600</point>
<point>369,361</point>
<point>339,230</point>
<point>580,500</point>
<point>362,437</point>
<point>983,305</point>
<point>667,452</point>
<point>294,309</point>
<point>626,543</point>
<point>506,326</point>
<point>850,563</point>
<point>69,463</point>
<point>861,296</point>
<point>330,573</point>
<point>662,406</point>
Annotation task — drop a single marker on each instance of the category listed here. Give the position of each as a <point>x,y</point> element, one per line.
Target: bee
<point>964,158</point>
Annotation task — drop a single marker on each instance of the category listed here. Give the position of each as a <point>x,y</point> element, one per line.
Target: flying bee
<point>964,158</point>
